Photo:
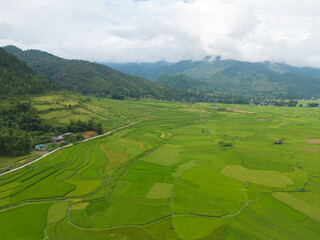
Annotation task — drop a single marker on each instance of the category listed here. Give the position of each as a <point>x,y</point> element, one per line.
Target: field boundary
<point>69,145</point>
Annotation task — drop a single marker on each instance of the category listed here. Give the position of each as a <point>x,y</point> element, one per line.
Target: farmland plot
<point>180,174</point>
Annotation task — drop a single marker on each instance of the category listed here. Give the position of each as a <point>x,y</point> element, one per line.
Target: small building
<point>67,134</point>
<point>61,138</point>
<point>57,139</point>
<point>40,147</point>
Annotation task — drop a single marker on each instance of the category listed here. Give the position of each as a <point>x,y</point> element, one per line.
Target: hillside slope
<point>235,77</point>
<point>86,77</point>
<point>17,78</point>
<point>144,70</point>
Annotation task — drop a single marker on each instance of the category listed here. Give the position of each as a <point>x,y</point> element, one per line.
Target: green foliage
<point>80,126</point>
<point>28,226</point>
<point>17,121</point>
<point>17,78</point>
<point>224,144</point>
<point>22,115</point>
<point>145,70</point>
<point>117,96</point>
<point>166,177</point>
<point>313,104</point>
<point>87,77</point>
<point>182,81</point>
<point>14,142</point>
<point>234,77</point>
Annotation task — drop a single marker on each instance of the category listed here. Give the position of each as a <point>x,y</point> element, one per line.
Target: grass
<point>193,227</point>
<point>160,190</point>
<point>268,178</point>
<point>166,155</point>
<point>57,212</point>
<point>167,177</point>
<point>300,205</point>
<point>25,223</point>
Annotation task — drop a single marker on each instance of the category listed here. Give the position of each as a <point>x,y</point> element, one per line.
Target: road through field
<point>69,145</point>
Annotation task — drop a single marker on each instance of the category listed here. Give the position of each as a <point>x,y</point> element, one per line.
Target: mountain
<point>250,79</point>
<point>17,78</point>
<point>240,78</point>
<point>182,81</point>
<point>86,77</point>
<point>313,72</point>
<point>145,70</point>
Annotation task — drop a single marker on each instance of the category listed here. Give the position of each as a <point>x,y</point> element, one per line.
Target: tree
<point>14,141</point>
<point>99,128</point>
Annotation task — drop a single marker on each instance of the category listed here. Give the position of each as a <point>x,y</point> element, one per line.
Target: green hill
<point>244,78</point>
<point>145,70</point>
<point>182,81</point>
<point>240,78</point>
<point>17,78</point>
<point>86,77</point>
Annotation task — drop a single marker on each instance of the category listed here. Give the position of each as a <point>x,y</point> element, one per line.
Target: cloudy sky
<point>171,30</point>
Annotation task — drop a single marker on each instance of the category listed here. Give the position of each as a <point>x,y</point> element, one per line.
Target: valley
<point>184,171</point>
<point>160,120</point>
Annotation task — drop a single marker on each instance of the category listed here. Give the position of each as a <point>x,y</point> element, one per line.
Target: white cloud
<point>172,30</point>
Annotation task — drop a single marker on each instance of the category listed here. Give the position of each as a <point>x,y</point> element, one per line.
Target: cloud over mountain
<point>171,30</point>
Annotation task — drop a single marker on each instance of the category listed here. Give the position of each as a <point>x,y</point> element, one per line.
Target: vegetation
<point>279,103</point>
<point>182,81</point>
<point>87,77</point>
<point>17,121</point>
<point>21,127</point>
<point>14,142</point>
<point>172,176</point>
<point>80,126</point>
<point>312,105</point>
<point>234,77</point>
<point>177,170</point>
<point>17,78</point>
<point>145,70</point>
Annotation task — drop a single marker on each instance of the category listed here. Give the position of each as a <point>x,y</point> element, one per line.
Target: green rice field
<point>185,171</point>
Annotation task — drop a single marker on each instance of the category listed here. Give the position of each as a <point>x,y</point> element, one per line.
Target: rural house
<point>40,147</point>
<point>60,138</point>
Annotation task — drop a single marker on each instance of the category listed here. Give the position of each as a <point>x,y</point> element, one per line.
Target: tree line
<point>21,127</point>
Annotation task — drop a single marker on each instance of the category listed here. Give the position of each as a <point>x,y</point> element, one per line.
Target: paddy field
<point>185,171</point>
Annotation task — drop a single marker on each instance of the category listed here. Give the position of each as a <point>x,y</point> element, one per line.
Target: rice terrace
<point>184,171</point>
<point>160,120</point>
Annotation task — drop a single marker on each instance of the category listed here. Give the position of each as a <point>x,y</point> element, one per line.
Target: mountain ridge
<point>18,79</point>
<point>86,77</point>
<point>242,78</point>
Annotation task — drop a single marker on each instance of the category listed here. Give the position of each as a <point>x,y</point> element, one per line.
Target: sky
<point>166,30</point>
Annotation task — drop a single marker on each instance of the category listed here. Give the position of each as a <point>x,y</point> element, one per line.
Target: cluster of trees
<point>312,105</point>
<point>81,126</point>
<point>14,141</point>
<point>17,121</point>
<point>291,103</point>
<point>17,78</point>
<point>21,127</point>
<point>117,96</point>
<point>267,102</point>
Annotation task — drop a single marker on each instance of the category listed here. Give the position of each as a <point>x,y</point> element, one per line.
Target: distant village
<point>281,103</point>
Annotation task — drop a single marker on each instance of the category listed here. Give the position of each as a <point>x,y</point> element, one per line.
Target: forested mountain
<point>241,78</point>
<point>145,70</point>
<point>181,80</point>
<point>17,78</point>
<point>87,77</point>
